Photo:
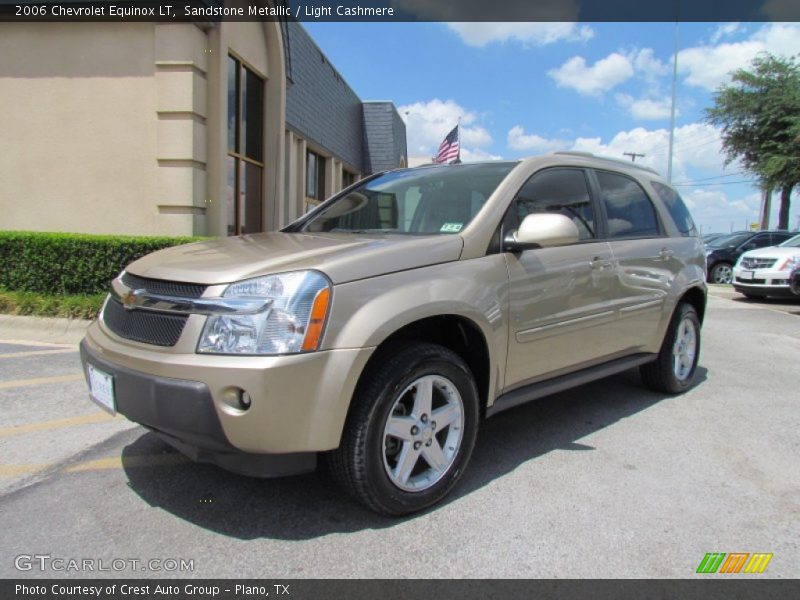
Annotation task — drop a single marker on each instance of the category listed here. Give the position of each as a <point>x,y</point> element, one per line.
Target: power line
<point>689,181</point>
<point>717,183</point>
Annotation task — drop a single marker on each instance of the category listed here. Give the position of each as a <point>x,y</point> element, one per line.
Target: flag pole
<point>458,136</point>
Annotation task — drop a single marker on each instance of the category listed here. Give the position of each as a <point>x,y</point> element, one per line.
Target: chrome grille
<point>144,326</point>
<point>749,262</point>
<point>168,288</point>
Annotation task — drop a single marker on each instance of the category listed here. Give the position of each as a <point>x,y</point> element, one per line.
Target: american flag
<point>448,149</point>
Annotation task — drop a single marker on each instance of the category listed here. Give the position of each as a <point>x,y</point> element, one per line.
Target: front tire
<point>674,370</point>
<point>721,273</point>
<point>411,431</point>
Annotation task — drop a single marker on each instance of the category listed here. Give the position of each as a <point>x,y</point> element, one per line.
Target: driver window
<point>561,191</point>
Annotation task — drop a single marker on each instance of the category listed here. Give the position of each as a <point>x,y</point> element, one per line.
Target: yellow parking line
<point>39,381</point>
<point>14,470</point>
<point>38,353</point>
<point>35,343</point>
<point>44,425</point>
<point>117,462</point>
<point>100,464</point>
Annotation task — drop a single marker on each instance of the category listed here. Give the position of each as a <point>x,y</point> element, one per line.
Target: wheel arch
<point>455,332</point>
<point>697,298</point>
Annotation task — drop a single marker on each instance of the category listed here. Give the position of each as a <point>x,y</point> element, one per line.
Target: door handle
<point>599,263</point>
<point>666,254</point>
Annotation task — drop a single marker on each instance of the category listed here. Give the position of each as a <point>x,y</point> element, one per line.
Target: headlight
<point>292,320</point>
<point>790,263</point>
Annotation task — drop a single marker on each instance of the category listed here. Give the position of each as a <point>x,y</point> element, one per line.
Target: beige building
<point>177,129</point>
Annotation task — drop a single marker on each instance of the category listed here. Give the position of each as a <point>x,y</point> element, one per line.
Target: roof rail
<point>615,161</point>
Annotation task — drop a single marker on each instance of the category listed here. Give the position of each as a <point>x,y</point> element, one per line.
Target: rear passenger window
<point>676,209</point>
<point>630,212</point>
<point>560,191</point>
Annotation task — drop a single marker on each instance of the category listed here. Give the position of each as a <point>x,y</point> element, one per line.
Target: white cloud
<point>725,30</point>
<point>428,122</point>
<point>477,154</point>
<point>697,147</point>
<point>710,65</point>
<point>648,65</point>
<point>605,74</point>
<point>645,109</point>
<point>519,140</point>
<point>534,34</point>
<point>716,211</point>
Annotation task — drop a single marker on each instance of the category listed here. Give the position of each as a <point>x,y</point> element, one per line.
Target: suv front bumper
<point>298,403</point>
<point>762,282</point>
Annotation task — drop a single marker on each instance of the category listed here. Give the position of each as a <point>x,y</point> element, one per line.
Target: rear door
<point>559,316</point>
<point>646,260</point>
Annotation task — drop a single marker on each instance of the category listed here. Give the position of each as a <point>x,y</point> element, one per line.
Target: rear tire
<point>394,457</point>
<point>674,370</point>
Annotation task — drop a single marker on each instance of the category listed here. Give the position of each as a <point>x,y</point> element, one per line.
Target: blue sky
<point>527,88</point>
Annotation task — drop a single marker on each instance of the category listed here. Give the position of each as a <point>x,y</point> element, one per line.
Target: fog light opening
<point>244,400</point>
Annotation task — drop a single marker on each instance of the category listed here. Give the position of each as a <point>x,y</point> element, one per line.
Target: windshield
<point>420,201</point>
<point>792,242</point>
<point>729,241</point>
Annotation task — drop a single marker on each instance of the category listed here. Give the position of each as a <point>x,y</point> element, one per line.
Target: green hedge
<point>70,263</point>
<point>45,305</point>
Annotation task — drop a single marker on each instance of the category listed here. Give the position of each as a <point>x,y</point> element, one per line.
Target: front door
<point>559,314</point>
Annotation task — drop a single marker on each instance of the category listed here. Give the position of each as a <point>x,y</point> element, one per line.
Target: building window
<point>348,179</point>
<point>315,176</point>
<point>245,166</point>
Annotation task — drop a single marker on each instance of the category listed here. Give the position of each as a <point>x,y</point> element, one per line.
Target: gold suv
<point>381,328</point>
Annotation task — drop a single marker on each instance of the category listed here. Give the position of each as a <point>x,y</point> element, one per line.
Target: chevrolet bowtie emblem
<point>129,299</point>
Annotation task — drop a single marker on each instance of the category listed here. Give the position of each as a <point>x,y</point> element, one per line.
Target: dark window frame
<point>240,156</point>
<point>592,174</point>
<point>320,163</point>
<point>511,222</point>
<point>660,190</point>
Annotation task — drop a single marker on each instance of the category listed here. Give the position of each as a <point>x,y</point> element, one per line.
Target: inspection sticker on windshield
<point>451,227</point>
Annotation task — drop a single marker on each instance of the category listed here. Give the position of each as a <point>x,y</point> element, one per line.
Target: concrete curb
<point>42,329</point>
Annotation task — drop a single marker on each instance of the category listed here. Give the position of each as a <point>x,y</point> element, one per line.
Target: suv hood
<point>341,256</point>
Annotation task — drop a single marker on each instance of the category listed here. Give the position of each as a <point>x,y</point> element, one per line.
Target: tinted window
<point>792,243</point>
<point>629,210</point>
<point>676,208</point>
<point>760,241</point>
<point>730,241</point>
<point>561,191</point>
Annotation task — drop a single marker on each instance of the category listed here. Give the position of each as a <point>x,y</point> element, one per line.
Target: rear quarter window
<point>676,208</point>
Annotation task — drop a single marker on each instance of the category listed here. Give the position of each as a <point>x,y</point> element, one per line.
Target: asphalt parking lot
<point>607,480</point>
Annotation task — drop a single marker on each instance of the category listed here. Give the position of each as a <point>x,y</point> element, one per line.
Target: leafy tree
<point>759,114</point>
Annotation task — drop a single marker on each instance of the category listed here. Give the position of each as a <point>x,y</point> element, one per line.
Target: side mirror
<point>542,230</point>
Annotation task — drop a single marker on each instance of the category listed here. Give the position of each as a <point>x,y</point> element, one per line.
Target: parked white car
<point>765,272</point>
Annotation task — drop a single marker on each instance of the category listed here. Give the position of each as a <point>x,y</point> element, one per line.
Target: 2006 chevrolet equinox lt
<point>379,329</point>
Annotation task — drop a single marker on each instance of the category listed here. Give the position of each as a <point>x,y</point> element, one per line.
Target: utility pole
<point>672,110</point>
<point>766,205</point>
<point>633,155</point>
